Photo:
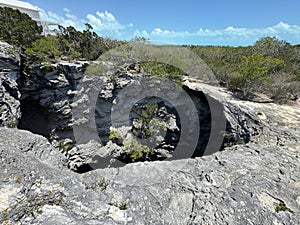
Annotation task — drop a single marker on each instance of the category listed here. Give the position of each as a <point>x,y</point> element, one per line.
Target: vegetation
<point>30,203</point>
<point>70,44</point>
<point>163,70</point>
<point>113,135</point>
<point>282,207</point>
<point>65,146</point>
<point>86,44</point>
<point>45,49</point>
<point>137,151</point>
<point>144,127</point>
<point>270,66</point>
<point>18,28</point>
<point>121,206</point>
<point>253,71</point>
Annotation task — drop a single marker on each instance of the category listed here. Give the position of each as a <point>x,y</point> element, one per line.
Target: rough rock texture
<point>250,184</point>
<point>9,94</point>
<point>47,92</point>
<point>254,182</point>
<point>239,125</point>
<point>51,93</point>
<point>16,143</point>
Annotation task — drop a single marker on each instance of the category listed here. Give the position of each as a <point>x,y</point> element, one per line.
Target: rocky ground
<point>255,179</point>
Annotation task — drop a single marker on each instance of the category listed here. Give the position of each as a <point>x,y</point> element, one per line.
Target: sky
<point>188,22</point>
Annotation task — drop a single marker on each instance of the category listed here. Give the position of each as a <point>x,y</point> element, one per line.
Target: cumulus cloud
<point>230,35</point>
<point>104,23</point>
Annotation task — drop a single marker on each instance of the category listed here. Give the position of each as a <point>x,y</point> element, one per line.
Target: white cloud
<point>104,23</point>
<point>231,34</point>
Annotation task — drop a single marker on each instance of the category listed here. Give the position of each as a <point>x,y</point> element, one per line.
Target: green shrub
<point>112,135</point>
<point>45,49</point>
<point>137,151</point>
<point>282,207</point>
<point>123,206</point>
<point>163,70</point>
<point>253,72</point>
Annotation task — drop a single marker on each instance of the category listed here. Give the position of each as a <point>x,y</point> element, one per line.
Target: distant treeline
<point>270,66</point>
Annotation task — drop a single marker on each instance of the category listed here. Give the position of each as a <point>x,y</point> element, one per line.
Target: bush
<point>253,72</point>
<point>18,28</point>
<point>45,49</point>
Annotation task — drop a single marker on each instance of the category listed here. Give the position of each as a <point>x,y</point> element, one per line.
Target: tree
<point>271,46</point>
<point>18,28</point>
<point>85,44</point>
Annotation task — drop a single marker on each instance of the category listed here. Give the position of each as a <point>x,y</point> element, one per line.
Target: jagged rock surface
<point>10,111</point>
<point>253,183</point>
<point>47,92</point>
<point>250,184</point>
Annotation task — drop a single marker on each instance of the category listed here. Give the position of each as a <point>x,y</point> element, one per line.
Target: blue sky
<point>213,22</point>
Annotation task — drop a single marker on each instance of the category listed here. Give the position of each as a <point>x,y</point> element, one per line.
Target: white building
<point>32,11</point>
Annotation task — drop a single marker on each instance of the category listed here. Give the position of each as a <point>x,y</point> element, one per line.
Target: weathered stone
<point>10,112</point>
<point>47,93</point>
<point>254,182</point>
<point>242,185</point>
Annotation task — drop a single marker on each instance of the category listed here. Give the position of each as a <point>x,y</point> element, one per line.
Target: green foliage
<point>18,28</point>
<point>65,146</point>
<point>149,112</point>
<point>112,135</point>
<point>136,150</point>
<point>86,44</point>
<point>123,206</point>
<point>95,68</point>
<point>45,49</point>
<point>271,67</point>
<point>148,121</point>
<point>163,70</point>
<point>281,206</point>
<point>71,44</point>
<point>231,140</point>
<point>13,124</point>
<point>254,70</point>
<point>271,46</point>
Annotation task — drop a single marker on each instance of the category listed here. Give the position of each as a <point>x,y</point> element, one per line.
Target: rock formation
<point>254,179</point>
<point>9,94</point>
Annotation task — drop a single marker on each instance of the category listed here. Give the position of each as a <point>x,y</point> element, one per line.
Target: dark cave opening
<point>34,118</point>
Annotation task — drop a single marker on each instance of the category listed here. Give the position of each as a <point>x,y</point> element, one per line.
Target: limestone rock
<point>250,184</point>
<point>47,93</point>
<point>10,111</point>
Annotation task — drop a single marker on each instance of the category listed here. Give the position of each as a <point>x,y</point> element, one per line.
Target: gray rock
<point>47,93</point>
<point>9,94</point>
<point>251,184</point>
<point>16,142</point>
<point>254,182</point>
<point>244,185</point>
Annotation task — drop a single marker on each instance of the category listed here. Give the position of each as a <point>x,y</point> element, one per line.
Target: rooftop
<point>19,4</point>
